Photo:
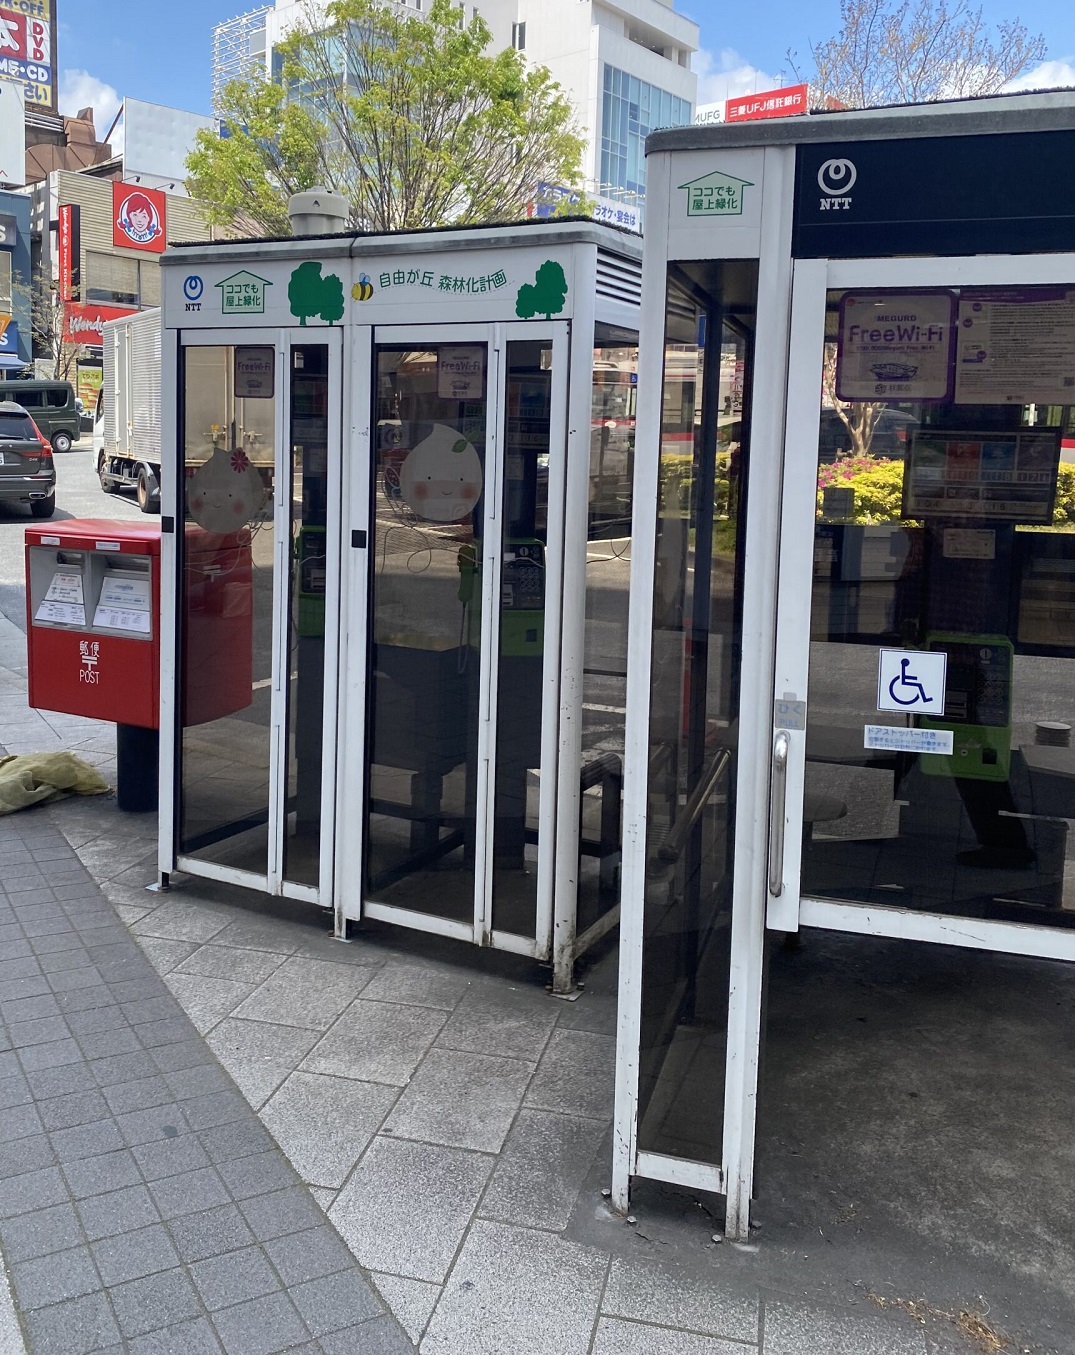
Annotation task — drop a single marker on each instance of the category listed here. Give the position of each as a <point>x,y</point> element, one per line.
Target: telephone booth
<point>425,444</point>
<point>853,611</point>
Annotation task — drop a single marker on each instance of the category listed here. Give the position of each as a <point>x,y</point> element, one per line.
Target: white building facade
<point>625,64</point>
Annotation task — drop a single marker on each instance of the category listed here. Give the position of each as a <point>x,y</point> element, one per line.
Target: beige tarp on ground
<point>36,778</point>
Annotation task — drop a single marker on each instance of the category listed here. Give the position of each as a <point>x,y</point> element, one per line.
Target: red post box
<point>93,619</point>
<point>93,632</point>
<point>218,625</point>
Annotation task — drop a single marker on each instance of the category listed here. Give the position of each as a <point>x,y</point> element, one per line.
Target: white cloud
<point>1049,75</point>
<point>80,89</point>
<point>726,75</point>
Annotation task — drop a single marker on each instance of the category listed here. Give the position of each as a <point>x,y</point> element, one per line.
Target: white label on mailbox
<point>121,618</point>
<point>120,591</point>
<point>899,739</point>
<point>911,680</point>
<point>63,601</point>
<point>65,588</point>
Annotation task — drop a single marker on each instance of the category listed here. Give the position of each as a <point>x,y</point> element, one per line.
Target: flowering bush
<point>846,468</point>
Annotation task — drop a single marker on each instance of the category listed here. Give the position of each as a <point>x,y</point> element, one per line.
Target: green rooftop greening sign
<point>715,194</point>
<point>243,294</point>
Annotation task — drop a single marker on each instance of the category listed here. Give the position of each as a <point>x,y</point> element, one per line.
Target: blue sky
<point>161,52</point>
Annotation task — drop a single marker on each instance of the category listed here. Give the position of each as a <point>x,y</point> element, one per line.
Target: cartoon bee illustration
<point>363,288</point>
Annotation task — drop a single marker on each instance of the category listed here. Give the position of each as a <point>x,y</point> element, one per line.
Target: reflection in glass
<point>524,511</point>
<point>308,440</point>
<point>425,619</point>
<point>945,524</point>
<point>608,568</point>
<point>226,619</point>
<point>693,707</point>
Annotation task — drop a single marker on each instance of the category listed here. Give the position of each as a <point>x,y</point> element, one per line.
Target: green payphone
<point>522,595</point>
<point>310,579</point>
<point>977,708</point>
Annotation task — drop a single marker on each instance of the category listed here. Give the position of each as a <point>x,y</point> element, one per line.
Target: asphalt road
<point>78,495</point>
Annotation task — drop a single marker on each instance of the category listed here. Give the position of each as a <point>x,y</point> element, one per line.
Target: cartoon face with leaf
<point>441,479</point>
<point>225,492</point>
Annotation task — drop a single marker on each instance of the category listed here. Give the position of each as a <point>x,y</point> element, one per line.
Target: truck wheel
<point>109,486</point>
<point>61,442</point>
<point>43,508</point>
<point>144,494</point>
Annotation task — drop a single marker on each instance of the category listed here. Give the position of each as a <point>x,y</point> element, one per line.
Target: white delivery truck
<point>127,421</point>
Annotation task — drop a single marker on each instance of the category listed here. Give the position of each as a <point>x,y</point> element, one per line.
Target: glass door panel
<point>524,520</point>
<point>697,623</point>
<point>608,569</point>
<point>425,627</point>
<point>226,621</point>
<point>940,776</point>
<point>308,441</point>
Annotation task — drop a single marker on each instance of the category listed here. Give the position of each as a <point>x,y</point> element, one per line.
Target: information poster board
<point>1016,347</point>
<point>1005,476</point>
<point>895,345</point>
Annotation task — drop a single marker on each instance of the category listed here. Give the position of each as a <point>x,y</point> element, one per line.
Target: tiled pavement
<point>143,1206</point>
<point>451,1119</point>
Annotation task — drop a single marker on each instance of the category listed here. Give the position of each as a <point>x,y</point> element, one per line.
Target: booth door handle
<point>358,539</point>
<point>777,803</point>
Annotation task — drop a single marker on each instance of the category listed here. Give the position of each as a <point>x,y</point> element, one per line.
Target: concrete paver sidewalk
<point>143,1206</point>
<point>392,1126</point>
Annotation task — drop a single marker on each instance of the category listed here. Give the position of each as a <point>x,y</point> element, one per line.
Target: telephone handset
<point>522,593</point>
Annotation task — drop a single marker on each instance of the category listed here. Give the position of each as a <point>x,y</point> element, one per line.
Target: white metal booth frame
<point>789,788</point>
<point>385,463</point>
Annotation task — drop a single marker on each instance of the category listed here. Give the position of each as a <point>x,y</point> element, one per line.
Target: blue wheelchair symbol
<point>907,682</point>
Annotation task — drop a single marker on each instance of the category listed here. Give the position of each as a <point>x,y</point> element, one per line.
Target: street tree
<point>859,417</point>
<point>49,326</point>
<point>915,51</point>
<point>407,115</point>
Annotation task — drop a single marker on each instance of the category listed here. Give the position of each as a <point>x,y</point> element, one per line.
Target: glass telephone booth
<point>419,450</point>
<point>854,603</point>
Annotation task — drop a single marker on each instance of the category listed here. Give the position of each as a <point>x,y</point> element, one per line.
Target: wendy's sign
<point>138,218</point>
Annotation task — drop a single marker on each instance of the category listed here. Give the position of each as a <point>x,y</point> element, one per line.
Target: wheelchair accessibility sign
<point>912,681</point>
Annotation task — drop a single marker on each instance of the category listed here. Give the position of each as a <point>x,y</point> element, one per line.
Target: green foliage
<point>309,294</point>
<point>428,129</point>
<point>1064,510</point>
<point>878,488</point>
<point>545,295</point>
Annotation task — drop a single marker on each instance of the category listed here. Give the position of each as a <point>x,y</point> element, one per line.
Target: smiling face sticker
<point>441,479</point>
<point>225,493</point>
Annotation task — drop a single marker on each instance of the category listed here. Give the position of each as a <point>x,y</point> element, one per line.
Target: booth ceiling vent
<point>619,279</point>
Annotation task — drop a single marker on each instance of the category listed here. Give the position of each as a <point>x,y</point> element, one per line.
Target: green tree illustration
<point>304,291</point>
<point>332,299</point>
<point>308,293</point>
<point>545,295</point>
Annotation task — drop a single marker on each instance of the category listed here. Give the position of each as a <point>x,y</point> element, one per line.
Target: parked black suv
<point>27,471</point>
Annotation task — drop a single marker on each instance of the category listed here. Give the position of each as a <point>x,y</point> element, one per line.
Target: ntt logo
<point>837,177</point>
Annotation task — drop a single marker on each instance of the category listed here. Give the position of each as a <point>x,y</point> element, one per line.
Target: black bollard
<point>136,768</point>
